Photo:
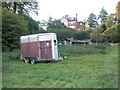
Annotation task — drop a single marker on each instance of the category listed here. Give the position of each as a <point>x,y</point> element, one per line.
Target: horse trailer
<point>39,47</point>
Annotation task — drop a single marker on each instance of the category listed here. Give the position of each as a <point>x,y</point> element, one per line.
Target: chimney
<point>76,16</point>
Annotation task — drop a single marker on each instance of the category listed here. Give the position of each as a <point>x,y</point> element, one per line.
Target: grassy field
<point>90,69</point>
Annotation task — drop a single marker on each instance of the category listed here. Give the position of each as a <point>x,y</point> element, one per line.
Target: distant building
<point>72,22</point>
<point>71,41</point>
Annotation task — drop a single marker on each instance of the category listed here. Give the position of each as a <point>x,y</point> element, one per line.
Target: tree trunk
<point>15,7</point>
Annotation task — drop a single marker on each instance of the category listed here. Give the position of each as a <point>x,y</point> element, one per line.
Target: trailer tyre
<point>33,62</point>
<point>24,60</point>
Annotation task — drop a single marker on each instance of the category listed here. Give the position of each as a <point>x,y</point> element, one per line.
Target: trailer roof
<point>34,37</point>
<point>39,34</point>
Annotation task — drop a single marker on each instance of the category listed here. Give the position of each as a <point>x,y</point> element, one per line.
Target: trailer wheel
<point>23,60</point>
<point>33,61</point>
<point>47,61</point>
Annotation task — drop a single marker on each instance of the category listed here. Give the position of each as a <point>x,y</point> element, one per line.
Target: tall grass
<point>0,70</point>
<point>11,56</point>
<point>69,50</point>
<point>88,70</point>
<point>77,50</point>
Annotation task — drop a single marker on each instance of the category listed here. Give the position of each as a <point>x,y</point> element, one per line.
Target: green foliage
<point>92,21</point>
<point>112,34</point>
<point>108,22</point>
<point>21,7</point>
<point>80,35</point>
<point>107,32</point>
<point>77,50</point>
<point>101,28</point>
<point>13,26</point>
<point>96,34</point>
<point>63,33</point>
<point>11,56</point>
<point>103,15</point>
<point>118,10</point>
<point>98,37</point>
<point>33,26</point>
<point>55,24</point>
<point>99,46</point>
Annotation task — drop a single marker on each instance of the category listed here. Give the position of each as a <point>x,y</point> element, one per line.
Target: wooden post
<point>65,42</point>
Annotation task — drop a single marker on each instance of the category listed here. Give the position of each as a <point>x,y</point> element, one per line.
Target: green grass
<point>0,70</point>
<point>77,50</point>
<point>93,70</point>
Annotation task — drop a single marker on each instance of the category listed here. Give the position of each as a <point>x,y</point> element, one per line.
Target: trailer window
<point>55,42</point>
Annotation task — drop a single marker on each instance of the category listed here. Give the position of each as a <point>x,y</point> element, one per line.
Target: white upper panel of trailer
<point>38,37</point>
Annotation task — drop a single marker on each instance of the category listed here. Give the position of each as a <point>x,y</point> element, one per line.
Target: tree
<point>118,10</point>
<point>112,33</point>
<point>7,5</point>
<point>92,22</point>
<point>50,19</point>
<point>109,21</point>
<point>103,15</point>
<point>22,7</point>
<point>101,28</point>
<point>56,24</point>
<point>13,26</point>
<point>62,33</point>
<point>96,36</point>
<point>80,35</point>
<point>33,26</point>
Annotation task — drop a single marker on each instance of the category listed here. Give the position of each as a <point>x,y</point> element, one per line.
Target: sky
<point>59,8</point>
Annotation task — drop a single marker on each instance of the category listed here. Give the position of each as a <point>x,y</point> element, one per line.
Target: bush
<point>8,56</point>
<point>13,26</point>
<point>63,33</point>
<point>112,33</point>
<point>80,35</point>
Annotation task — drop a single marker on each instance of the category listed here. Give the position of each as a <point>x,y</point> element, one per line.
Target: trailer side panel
<point>46,50</point>
<point>24,49</point>
<point>33,49</point>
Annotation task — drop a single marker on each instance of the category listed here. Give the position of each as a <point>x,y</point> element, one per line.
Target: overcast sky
<point>58,8</point>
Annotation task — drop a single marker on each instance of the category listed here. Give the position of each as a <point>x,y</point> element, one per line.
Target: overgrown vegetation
<point>8,56</point>
<point>77,71</point>
<point>64,33</point>
<point>78,50</point>
<point>64,50</point>
<point>14,26</point>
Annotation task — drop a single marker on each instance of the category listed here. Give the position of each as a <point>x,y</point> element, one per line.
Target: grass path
<point>85,71</point>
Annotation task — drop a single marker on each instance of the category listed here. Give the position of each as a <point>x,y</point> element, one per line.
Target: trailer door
<point>45,50</point>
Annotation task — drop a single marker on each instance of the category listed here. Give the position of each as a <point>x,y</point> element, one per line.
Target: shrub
<point>13,26</point>
<point>63,33</point>
<point>8,56</point>
<point>80,35</point>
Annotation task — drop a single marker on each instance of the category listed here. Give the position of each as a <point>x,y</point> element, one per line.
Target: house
<point>72,22</point>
